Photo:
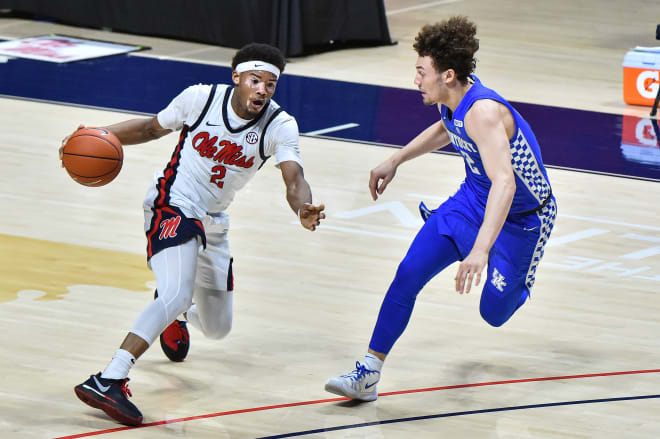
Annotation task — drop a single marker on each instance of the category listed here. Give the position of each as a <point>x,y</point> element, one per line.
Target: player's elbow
<point>297,187</point>
<point>152,130</point>
<point>510,186</point>
<point>151,133</point>
<point>504,184</point>
<point>292,190</point>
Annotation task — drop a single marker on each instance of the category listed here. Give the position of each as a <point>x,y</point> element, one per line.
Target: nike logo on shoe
<point>101,387</point>
<point>368,386</point>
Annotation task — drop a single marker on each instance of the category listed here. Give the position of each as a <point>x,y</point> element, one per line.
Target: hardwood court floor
<point>73,276</point>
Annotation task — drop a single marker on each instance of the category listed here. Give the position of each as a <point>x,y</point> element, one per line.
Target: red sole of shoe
<point>108,409</point>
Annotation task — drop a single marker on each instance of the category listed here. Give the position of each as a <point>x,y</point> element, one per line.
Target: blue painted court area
<point>582,140</point>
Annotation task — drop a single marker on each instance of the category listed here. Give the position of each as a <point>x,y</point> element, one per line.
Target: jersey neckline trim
<point>225,118</point>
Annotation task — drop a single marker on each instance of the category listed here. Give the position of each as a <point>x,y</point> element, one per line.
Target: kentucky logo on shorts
<point>498,280</point>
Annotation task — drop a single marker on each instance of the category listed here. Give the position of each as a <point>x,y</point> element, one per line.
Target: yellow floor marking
<point>32,264</point>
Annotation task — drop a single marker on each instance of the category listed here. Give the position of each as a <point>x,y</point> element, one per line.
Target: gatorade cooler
<point>641,75</point>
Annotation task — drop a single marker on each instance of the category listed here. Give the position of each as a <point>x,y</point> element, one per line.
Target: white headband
<point>257,65</point>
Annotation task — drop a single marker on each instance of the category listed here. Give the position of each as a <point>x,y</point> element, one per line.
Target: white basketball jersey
<point>213,159</point>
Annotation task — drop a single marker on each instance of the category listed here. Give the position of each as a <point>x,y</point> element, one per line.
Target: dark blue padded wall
<point>581,140</point>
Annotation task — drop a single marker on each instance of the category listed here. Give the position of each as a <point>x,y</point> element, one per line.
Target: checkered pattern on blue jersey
<point>547,216</point>
<point>527,168</point>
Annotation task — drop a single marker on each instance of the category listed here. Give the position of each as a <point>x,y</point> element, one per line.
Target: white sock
<point>119,366</point>
<point>373,362</point>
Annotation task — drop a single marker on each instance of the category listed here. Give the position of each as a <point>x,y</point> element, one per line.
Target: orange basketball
<point>93,156</point>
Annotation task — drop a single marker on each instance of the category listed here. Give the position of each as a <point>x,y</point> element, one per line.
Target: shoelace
<point>359,372</point>
<point>124,387</point>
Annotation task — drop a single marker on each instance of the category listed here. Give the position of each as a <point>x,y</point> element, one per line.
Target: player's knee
<point>218,329</point>
<point>176,305</point>
<point>495,319</point>
<point>493,309</point>
<point>407,278</point>
<point>497,309</point>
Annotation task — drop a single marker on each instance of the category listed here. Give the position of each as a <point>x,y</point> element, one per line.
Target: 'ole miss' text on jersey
<point>218,152</point>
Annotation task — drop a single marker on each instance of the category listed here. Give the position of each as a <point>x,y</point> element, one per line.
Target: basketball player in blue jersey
<point>226,135</point>
<point>499,219</point>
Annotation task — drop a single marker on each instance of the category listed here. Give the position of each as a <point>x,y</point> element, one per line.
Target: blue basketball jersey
<point>532,185</point>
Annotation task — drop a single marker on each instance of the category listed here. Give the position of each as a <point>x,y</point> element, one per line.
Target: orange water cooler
<point>641,75</point>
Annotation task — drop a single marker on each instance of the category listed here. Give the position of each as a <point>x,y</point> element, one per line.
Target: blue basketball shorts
<point>513,259</point>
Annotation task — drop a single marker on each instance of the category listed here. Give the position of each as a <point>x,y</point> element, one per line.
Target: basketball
<point>93,156</point>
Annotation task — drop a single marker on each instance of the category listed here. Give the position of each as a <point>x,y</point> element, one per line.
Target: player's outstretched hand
<point>64,143</point>
<point>310,216</point>
<point>385,172</point>
<point>471,267</point>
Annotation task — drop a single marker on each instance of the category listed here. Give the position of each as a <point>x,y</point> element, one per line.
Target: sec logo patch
<point>252,137</point>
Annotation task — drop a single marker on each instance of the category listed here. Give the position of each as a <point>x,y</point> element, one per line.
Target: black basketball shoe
<point>111,396</point>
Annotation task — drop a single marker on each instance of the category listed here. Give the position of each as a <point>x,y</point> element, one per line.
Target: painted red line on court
<point>322,401</point>
<point>526,380</point>
<point>210,415</point>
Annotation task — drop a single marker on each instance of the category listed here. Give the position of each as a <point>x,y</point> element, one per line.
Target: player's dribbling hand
<point>61,150</point>
<point>469,269</point>
<point>385,172</point>
<point>310,216</point>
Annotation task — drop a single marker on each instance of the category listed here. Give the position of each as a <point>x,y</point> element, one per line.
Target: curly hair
<point>451,44</point>
<point>259,52</point>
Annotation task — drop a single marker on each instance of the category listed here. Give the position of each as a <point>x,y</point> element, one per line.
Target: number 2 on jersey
<point>218,174</point>
<point>469,161</point>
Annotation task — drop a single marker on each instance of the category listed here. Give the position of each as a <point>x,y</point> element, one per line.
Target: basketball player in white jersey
<point>226,134</point>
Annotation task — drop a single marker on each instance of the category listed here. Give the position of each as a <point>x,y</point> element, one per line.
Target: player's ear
<point>235,77</point>
<point>449,75</point>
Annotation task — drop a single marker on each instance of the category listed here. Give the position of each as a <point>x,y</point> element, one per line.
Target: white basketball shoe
<point>359,384</point>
